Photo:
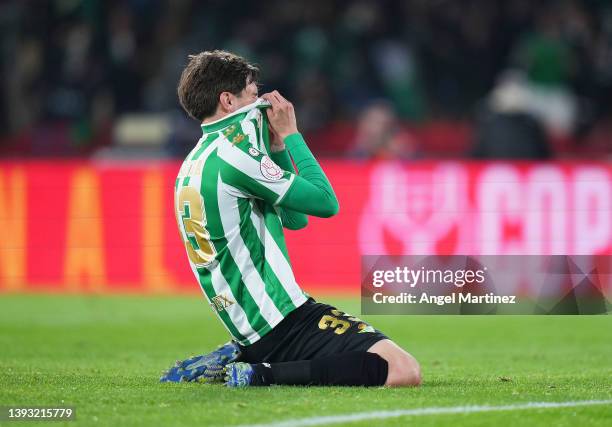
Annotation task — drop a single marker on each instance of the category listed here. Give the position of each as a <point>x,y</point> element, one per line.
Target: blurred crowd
<point>514,70</point>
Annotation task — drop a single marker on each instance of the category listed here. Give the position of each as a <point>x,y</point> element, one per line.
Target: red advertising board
<point>76,226</point>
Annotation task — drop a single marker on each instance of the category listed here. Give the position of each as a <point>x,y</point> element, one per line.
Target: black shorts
<point>311,331</point>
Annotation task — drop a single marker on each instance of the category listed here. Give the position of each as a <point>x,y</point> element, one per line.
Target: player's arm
<point>291,219</point>
<point>311,192</point>
<point>250,173</point>
<point>247,172</point>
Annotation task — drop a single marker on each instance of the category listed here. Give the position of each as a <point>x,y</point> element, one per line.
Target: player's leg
<point>358,368</point>
<point>321,345</point>
<point>403,368</point>
<point>385,363</point>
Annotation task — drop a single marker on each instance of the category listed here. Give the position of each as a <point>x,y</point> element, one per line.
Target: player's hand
<point>281,115</point>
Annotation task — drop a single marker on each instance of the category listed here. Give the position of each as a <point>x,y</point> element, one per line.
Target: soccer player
<point>234,193</point>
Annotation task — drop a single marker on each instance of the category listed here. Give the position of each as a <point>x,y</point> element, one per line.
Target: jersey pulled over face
<point>225,197</point>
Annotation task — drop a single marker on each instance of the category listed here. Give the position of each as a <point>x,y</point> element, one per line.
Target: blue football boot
<point>205,368</point>
<point>238,374</point>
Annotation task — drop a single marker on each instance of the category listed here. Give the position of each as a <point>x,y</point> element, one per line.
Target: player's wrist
<point>277,148</point>
<point>288,132</point>
<point>287,138</point>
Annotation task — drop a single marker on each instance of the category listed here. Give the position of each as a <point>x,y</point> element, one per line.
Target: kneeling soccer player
<point>234,193</point>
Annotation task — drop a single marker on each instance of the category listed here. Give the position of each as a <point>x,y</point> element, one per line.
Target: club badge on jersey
<point>270,170</point>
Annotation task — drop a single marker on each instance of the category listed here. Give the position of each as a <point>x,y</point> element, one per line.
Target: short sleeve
<point>244,167</point>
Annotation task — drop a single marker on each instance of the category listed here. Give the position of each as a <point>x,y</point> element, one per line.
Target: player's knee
<point>404,371</point>
<point>413,374</point>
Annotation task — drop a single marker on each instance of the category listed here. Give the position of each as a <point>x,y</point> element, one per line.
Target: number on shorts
<point>338,325</point>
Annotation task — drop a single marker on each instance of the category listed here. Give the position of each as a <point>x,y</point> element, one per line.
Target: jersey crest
<point>270,170</point>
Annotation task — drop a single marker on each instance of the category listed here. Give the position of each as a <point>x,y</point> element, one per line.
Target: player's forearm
<point>282,159</point>
<point>312,192</point>
<point>308,167</point>
<point>291,219</point>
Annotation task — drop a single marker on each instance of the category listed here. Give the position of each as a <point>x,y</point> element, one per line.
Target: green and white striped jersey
<point>225,198</point>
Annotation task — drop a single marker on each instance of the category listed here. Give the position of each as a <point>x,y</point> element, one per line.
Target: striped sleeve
<point>247,169</point>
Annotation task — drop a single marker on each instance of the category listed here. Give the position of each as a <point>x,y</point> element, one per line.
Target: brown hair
<point>207,75</point>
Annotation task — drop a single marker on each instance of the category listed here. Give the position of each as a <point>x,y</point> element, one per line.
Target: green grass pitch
<point>104,355</point>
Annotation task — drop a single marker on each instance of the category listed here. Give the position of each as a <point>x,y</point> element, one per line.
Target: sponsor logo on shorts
<point>364,328</point>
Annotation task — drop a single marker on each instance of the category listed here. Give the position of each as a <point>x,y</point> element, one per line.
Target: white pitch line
<point>378,415</point>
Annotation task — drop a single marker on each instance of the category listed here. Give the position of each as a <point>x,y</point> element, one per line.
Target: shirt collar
<point>234,117</point>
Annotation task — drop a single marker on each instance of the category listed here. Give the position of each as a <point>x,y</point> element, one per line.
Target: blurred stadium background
<point>448,127</point>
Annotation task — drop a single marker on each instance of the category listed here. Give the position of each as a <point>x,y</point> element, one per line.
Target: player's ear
<point>226,101</point>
